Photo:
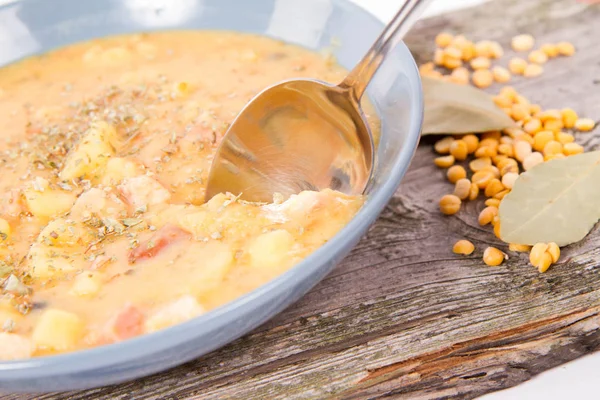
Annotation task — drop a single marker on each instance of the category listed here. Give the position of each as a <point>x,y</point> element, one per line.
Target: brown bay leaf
<point>556,201</point>
<point>451,108</point>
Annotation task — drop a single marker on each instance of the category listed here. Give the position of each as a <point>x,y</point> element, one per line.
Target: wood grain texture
<point>403,317</point>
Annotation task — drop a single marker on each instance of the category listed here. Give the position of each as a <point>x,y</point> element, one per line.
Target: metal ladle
<point>304,134</point>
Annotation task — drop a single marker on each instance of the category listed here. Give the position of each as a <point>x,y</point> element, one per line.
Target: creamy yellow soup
<point>105,149</point>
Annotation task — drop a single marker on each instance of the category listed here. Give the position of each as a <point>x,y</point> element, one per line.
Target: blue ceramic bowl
<point>34,26</point>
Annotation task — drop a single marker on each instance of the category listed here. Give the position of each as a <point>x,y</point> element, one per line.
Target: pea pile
<point>491,162</point>
<point>455,53</point>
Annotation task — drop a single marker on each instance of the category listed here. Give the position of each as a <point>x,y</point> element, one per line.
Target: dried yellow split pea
<point>584,124</point>
<point>535,109</point>
<point>522,149</point>
<point>500,195</point>
<point>532,126</point>
<point>462,188</point>
<point>508,179</point>
<point>459,149</point>
<point>493,187</point>
<point>482,78</point>
<point>503,101</point>
<point>463,247</point>
<point>554,156</point>
<point>453,52</point>
<point>533,70</point>
<point>519,248</point>
<point>505,149</point>
<point>455,173</point>
<point>569,117</point>
<point>496,50</point>
<point>510,92</point>
<point>460,75</point>
<point>497,230</point>
<point>486,216</point>
<point>510,166</point>
<point>449,204</point>
<point>520,112</point>
<point>538,57</point>
<point>541,139</point>
<point>522,42</point>
<point>486,151</point>
<point>551,149</point>
<point>444,161</point>
<point>443,39</point>
<point>554,251</point>
<point>543,255</point>
<point>570,149</point>
<point>474,192</point>
<point>549,115</point>
<point>490,138</point>
<point>565,48</point>
<point>482,178</point>
<point>525,137</point>
<point>492,202</point>
<point>451,62</point>
<point>493,170</point>
<point>468,50</point>
<point>551,50</point>
<point>517,65</point>
<point>472,142</point>
<point>501,74</point>
<point>483,48</point>
<point>481,63</point>
<point>493,257</point>
<point>554,125</point>
<point>443,146</point>
<point>564,137</point>
<point>532,160</point>
<point>438,57</point>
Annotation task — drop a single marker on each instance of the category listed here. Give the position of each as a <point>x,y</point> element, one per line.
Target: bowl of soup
<point>113,264</point>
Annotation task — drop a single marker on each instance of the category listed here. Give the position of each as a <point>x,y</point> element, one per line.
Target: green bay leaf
<point>556,201</point>
<point>451,108</point>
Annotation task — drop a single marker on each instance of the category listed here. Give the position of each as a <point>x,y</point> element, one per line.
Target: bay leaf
<point>556,201</point>
<point>451,108</point>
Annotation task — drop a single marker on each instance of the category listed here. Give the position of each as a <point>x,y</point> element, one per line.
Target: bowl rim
<point>112,354</point>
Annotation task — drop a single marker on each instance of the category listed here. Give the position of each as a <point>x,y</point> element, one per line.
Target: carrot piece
<point>128,322</point>
<point>165,236</point>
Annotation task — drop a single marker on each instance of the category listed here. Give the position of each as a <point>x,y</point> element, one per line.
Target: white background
<point>575,380</point>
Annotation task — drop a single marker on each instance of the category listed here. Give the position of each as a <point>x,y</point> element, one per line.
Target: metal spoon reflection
<point>304,134</point>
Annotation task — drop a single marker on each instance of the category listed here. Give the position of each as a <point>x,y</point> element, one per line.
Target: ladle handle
<point>358,79</point>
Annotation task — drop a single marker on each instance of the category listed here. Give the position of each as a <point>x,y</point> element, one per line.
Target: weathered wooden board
<point>402,316</point>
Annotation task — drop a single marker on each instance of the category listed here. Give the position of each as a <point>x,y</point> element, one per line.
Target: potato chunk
<point>14,347</point>
<point>58,330</point>
<point>49,203</point>
<point>169,213</point>
<point>64,232</point>
<point>93,150</point>
<point>97,201</point>
<point>143,191</point>
<point>271,250</point>
<point>180,310</point>
<point>87,284</point>
<point>212,261</point>
<point>8,315</point>
<point>45,262</point>
<point>198,223</point>
<point>118,168</point>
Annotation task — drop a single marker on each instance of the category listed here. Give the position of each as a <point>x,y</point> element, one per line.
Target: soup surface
<point>104,150</point>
